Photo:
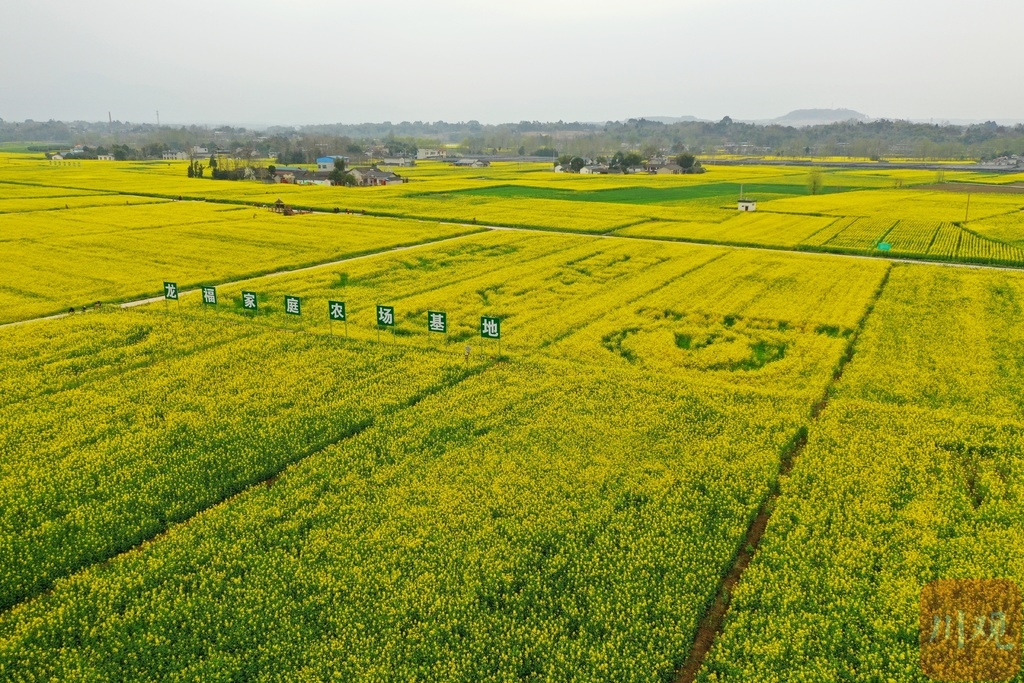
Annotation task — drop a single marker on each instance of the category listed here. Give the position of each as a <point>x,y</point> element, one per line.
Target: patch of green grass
<point>761,354</point>
<point>640,194</point>
<point>613,342</point>
<point>687,342</point>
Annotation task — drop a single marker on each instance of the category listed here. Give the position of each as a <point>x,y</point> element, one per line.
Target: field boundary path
<point>790,250</point>
<point>287,271</point>
<point>714,618</point>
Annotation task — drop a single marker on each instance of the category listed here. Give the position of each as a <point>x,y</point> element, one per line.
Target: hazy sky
<point>319,61</point>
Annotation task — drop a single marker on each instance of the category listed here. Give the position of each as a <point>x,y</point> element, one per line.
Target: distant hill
<point>800,118</point>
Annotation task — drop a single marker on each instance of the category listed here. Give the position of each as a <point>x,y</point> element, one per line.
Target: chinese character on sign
<point>336,309</point>
<point>386,315</point>
<point>249,301</point>
<point>970,629</point>
<point>292,305</point>
<point>490,328</point>
<point>437,321</point>
<point>170,290</point>
<point>209,295</point>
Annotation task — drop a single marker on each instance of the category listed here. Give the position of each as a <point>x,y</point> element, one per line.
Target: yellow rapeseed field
<point>191,491</point>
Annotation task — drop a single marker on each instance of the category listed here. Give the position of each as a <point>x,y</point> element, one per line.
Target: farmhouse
<point>747,205</point>
<point>669,169</point>
<point>472,163</point>
<point>431,154</point>
<point>293,175</point>
<point>105,157</point>
<point>595,169</point>
<point>372,176</point>
<point>175,156</point>
<point>327,163</point>
<point>398,161</point>
<point>314,178</point>
<point>288,174</point>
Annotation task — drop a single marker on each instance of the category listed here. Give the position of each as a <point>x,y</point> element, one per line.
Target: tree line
<point>302,145</point>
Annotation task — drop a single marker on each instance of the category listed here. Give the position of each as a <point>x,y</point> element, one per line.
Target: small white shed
<point>746,205</point>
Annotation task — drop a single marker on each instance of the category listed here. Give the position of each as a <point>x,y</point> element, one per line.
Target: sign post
<point>293,305</point>
<point>385,318</point>
<point>210,296</point>
<point>250,302</point>
<point>171,292</point>
<point>490,328</point>
<point>336,311</point>
<point>437,321</point>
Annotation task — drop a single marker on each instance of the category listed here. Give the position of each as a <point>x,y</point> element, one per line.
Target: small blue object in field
<point>883,246</point>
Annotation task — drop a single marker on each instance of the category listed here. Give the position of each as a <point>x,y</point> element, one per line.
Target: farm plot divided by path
<point>63,258</point>
<point>852,212</point>
<point>199,492</point>
<point>912,473</point>
<point>565,511</point>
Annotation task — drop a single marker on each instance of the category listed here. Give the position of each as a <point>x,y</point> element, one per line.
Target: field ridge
<point>713,621</point>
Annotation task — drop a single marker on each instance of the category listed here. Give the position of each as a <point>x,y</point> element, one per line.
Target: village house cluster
<point>657,165</point>
<point>380,174</point>
<point>361,175</point>
<point>79,152</point>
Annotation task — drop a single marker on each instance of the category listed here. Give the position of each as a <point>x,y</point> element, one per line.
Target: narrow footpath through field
<point>286,271</point>
<point>711,625</point>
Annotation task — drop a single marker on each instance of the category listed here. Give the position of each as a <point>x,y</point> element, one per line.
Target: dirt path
<point>972,188</point>
<point>789,250</point>
<point>326,264</point>
<point>714,619</point>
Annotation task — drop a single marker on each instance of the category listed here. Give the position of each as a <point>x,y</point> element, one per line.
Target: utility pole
<point>157,118</point>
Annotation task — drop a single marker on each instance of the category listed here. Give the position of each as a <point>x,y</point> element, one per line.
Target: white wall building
<point>430,154</point>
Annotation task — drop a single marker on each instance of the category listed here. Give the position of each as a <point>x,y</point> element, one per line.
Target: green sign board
<point>336,310</point>
<point>437,321</point>
<point>249,301</point>
<point>884,246</point>
<point>490,327</point>
<point>210,295</point>
<point>386,316</point>
<point>292,305</point>
<point>170,290</point>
